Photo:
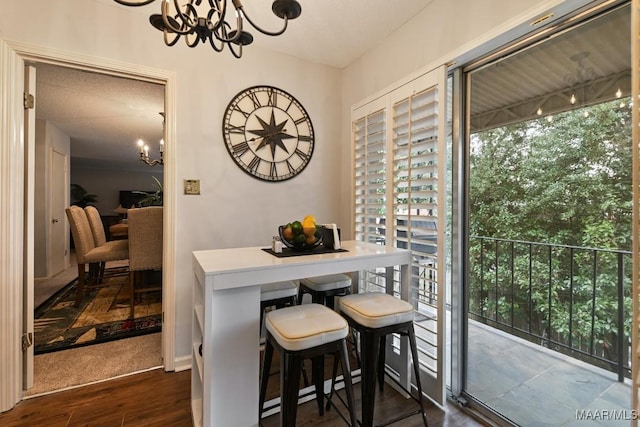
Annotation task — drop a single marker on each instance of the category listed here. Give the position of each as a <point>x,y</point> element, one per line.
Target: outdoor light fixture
<point>198,24</point>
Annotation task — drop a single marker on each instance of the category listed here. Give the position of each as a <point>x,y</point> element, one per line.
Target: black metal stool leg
<point>346,373</point>
<point>382,357</point>
<point>416,370</point>
<point>317,367</point>
<point>330,301</point>
<point>289,386</point>
<point>334,374</point>
<point>266,367</point>
<point>370,350</point>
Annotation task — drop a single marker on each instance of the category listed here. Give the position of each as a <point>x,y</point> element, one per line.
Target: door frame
<point>36,54</point>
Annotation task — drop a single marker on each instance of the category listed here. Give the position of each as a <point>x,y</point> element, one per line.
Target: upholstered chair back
<point>97,228</point>
<point>80,231</point>
<point>145,238</point>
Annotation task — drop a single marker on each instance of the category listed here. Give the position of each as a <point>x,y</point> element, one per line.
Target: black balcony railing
<point>574,300</point>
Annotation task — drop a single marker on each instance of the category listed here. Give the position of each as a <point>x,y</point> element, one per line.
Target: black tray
<point>287,252</point>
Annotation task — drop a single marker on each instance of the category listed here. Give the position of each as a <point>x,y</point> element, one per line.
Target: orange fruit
<point>309,231</point>
<point>287,233</point>
<point>310,240</point>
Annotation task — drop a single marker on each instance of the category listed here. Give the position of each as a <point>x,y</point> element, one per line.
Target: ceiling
<point>331,32</point>
<point>590,62</point>
<point>104,115</point>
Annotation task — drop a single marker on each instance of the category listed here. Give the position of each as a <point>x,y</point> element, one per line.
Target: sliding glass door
<point>548,276</point>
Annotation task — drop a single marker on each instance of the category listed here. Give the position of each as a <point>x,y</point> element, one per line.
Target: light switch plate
<point>192,186</point>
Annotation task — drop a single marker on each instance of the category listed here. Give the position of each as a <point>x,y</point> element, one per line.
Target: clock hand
<point>266,138</point>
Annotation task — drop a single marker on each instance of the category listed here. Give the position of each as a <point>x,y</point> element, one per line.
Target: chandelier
<point>144,150</point>
<point>211,25</point>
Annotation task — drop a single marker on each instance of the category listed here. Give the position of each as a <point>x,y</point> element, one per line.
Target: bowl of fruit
<point>301,235</point>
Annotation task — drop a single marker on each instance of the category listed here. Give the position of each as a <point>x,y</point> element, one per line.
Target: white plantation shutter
<point>370,183</point>
<point>400,201</point>
<point>370,174</point>
<point>418,193</point>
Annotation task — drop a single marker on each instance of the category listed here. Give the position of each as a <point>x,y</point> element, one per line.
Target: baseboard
<point>182,363</point>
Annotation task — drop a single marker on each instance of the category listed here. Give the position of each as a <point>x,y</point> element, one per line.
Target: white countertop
<point>238,267</point>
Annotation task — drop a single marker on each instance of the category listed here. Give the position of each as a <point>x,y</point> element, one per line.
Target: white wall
<point>235,209</point>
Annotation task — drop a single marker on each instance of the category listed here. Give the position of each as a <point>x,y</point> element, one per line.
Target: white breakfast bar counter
<point>226,319</point>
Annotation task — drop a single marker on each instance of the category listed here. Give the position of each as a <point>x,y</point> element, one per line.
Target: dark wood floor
<point>157,398</point>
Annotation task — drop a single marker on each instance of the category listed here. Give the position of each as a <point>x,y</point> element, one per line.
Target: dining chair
<point>87,253</point>
<point>145,249</point>
<point>99,238</point>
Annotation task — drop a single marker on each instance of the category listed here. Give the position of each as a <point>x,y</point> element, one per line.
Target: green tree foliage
<point>564,180</point>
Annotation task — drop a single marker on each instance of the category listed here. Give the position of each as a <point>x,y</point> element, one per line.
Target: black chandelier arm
<point>237,54</point>
<point>166,38</point>
<point>187,24</point>
<point>192,43</point>
<point>238,32</point>
<point>215,7</point>
<point>212,41</point>
<point>134,3</point>
<point>263,31</point>
<point>216,37</point>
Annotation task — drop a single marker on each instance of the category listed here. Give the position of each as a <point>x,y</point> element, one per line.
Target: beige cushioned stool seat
<point>376,309</point>
<point>304,326</point>
<point>327,283</point>
<point>277,290</point>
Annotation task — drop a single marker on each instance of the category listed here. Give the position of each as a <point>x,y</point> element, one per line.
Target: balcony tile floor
<point>534,386</point>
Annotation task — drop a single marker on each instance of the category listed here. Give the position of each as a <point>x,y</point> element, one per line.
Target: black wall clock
<point>268,133</point>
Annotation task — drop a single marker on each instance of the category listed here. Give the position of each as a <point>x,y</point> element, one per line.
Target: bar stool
<point>301,332</point>
<point>375,315</point>
<point>278,294</point>
<point>324,289</point>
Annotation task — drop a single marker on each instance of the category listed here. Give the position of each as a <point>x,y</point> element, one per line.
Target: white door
<point>57,228</point>
<point>11,224</point>
<point>29,198</point>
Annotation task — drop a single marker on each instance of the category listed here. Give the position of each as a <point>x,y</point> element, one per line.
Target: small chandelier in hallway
<point>144,149</point>
<point>211,25</point>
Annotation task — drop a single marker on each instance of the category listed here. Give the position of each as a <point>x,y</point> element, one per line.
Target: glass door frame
<point>459,187</point>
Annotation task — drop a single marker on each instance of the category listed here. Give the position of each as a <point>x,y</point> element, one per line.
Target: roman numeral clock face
<point>268,133</point>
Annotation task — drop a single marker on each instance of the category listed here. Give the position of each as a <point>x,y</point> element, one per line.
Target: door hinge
<point>27,340</point>
<point>29,101</point>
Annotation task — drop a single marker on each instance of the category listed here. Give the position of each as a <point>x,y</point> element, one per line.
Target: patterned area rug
<point>102,316</point>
